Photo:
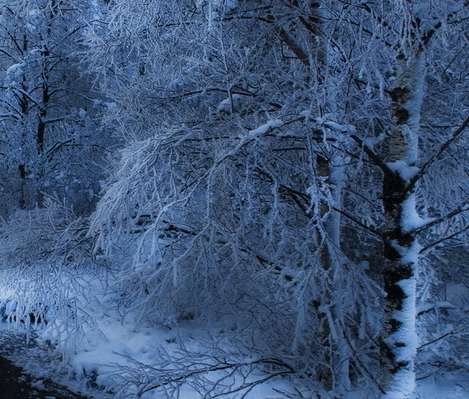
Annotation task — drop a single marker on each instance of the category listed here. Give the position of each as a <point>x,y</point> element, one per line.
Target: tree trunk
<point>399,341</point>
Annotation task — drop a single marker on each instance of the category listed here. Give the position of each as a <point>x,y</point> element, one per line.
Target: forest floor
<point>119,356</point>
<point>43,375</point>
<point>16,384</point>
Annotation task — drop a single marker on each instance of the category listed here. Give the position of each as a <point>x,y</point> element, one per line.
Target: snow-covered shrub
<point>45,259</point>
<point>50,233</point>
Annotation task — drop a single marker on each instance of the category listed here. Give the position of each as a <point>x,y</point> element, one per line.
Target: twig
<point>423,170</point>
<point>435,340</point>
<point>220,367</point>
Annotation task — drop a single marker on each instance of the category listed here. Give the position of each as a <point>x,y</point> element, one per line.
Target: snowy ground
<point>42,361</point>
<point>116,356</point>
<point>122,358</point>
<point>102,353</point>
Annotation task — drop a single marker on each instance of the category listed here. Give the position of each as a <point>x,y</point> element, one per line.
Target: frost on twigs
<point>42,252</point>
<point>229,239</point>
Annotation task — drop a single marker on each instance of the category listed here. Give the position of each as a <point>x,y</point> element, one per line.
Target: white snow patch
<point>403,386</point>
<point>407,316</point>
<point>229,104</point>
<point>410,219</point>
<point>39,384</point>
<point>82,113</point>
<point>272,124</point>
<point>34,20</point>
<point>340,128</point>
<point>402,169</point>
<point>306,114</point>
<point>14,74</point>
<point>403,382</point>
<point>329,124</point>
<point>110,105</point>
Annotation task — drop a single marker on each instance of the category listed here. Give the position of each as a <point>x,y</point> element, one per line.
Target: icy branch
<point>451,332</point>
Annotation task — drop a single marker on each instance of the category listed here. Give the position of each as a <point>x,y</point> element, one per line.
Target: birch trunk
<point>398,341</point>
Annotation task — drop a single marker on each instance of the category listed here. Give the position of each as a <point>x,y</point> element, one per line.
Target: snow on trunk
<point>399,340</point>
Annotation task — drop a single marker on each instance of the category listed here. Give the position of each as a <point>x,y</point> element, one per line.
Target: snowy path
<point>15,384</point>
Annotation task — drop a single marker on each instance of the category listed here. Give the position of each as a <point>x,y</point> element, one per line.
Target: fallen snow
<point>119,350</point>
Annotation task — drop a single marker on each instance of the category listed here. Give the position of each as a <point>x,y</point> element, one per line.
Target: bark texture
<point>398,340</point>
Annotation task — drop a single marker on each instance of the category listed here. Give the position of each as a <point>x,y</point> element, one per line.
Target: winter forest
<point>238,198</point>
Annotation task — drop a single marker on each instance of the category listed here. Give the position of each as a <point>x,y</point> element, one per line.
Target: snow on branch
<point>329,124</point>
<point>263,129</point>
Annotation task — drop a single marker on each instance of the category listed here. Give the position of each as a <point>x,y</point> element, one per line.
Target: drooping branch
<point>218,368</point>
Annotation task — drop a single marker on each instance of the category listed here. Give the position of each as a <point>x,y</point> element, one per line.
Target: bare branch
<point>435,340</point>
<point>461,208</point>
<point>364,226</point>
<point>443,239</point>
<point>423,170</point>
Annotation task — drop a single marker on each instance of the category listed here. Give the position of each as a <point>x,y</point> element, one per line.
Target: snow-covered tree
<point>50,142</point>
<point>283,171</point>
